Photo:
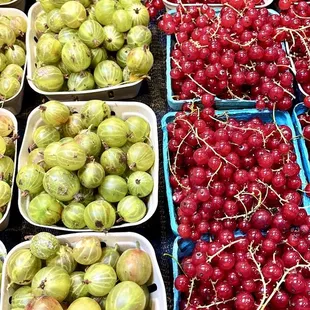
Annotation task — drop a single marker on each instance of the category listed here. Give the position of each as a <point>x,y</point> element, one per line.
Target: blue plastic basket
<point>299,109</point>
<point>221,104</point>
<point>282,118</point>
<point>179,251</point>
<point>182,248</point>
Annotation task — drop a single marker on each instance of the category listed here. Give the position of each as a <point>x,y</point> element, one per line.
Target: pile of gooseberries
<point>8,137</point>
<point>83,275</point>
<point>12,54</point>
<point>83,46</point>
<point>87,169</point>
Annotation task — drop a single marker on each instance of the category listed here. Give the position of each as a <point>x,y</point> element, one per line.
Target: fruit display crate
<point>15,4</point>
<point>222,104</point>
<point>282,118</point>
<point>14,104</point>
<point>181,248</point>
<point>172,6</point>
<point>124,240</point>
<point>2,257</point>
<point>119,92</point>
<point>121,109</point>
<point>2,249</point>
<point>300,108</point>
<point>3,253</point>
<point>4,221</point>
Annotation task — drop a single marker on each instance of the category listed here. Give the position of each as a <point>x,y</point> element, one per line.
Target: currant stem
<point>276,124</point>
<point>188,75</point>
<point>191,289</point>
<point>282,201</point>
<point>259,269</point>
<point>214,174</point>
<point>276,289</point>
<point>285,90</point>
<point>222,249</point>
<point>176,260</point>
<point>216,303</point>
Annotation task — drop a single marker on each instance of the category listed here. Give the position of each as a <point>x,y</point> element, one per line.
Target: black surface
<point>157,229</point>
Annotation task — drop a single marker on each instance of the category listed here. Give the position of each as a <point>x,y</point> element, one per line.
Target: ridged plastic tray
<point>2,256</point>
<point>182,248</point>
<point>5,219</point>
<point>300,109</point>
<point>121,109</point>
<point>172,6</point>
<point>282,118</point>
<point>222,104</point>
<point>124,91</point>
<point>2,250</point>
<point>14,104</point>
<point>125,241</point>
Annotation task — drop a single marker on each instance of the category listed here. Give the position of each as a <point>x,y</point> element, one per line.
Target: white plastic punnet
<point>118,92</point>
<point>122,110</point>
<point>158,299</point>
<point>4,221</point>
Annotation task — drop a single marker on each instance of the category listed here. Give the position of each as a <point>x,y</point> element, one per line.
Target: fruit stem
<point>276,124</point>
<point>298,253</point>
<point>218,27</point>
<point>221,250</point>
<point>25,193</point>
<point>119,220</point>
<point>216,304</point>
<point>243,45</point>
<point>42,107</point>
<point>28,237</point>
<point>235,127</point>
<point>233,95</point>
<point>205,90</point>
<point>172,257</point>
<point>116,247</point>
<point>214,174</point>
<point>32,147</point>
<point>208,145</point>
<point>276,289</point>
<point>191,289</point>
<point>259,269</point>
<point>285,90</point>
<point>274,191</point>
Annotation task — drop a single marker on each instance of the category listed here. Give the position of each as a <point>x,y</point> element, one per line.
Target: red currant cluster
<point>295,24</point>
<point>255,272</point>
<point>236,54</point>
<point>154,7</point>
<point>228,174</point>
<point>234,3</point>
